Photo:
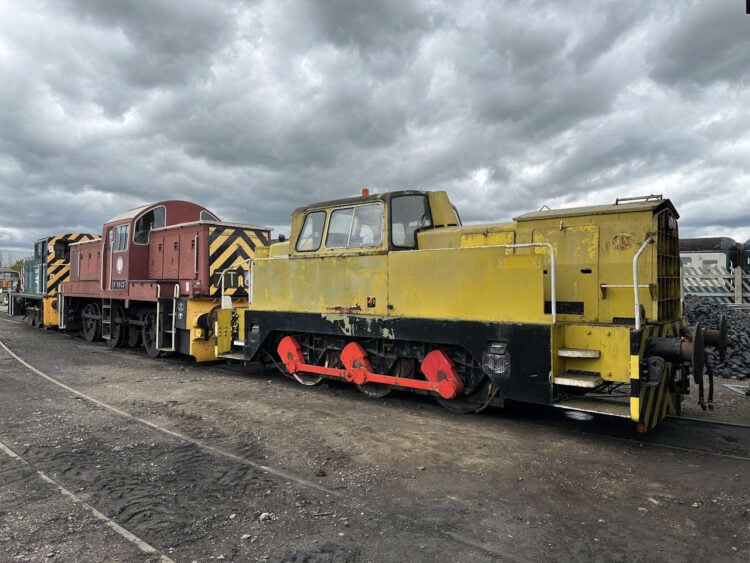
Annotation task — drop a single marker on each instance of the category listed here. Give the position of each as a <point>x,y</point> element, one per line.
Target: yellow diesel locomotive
<point>578,308</point>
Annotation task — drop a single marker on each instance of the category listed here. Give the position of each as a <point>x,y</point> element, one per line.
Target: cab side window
<point>312,232</point>
<point>356,227</point>
<point>154,219</point>
<point>409,214</point>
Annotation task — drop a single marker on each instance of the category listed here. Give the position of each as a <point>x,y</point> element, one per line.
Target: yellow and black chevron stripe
<point>649,404</point>
<point>229,249</point>
<point>58,268</point>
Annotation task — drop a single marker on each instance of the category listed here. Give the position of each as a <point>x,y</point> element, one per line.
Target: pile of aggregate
<point>708,313</point>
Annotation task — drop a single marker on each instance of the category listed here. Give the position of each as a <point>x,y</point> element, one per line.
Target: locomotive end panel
<point>230,250</point>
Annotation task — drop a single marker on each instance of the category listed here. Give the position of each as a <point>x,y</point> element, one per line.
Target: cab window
<point>40,250</point>
<point>118,238</point>
<point>356,227</point>
<point>206,216</point>
<point>409,214</point>
<point>62,250</point>
<point>312,232</point>
<point>153,219</point>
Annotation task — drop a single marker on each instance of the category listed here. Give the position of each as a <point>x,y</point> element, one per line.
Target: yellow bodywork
<point>50,315</point>
<point>207,349</point>
<point>474,273</point>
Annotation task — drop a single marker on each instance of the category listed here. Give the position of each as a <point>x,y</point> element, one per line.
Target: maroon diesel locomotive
<point>156,278</point>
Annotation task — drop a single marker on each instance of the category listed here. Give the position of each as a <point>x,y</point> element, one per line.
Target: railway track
<point>693,435</point>
<point>193,454</point>
<point>696,435</point>
<point>150,516</point>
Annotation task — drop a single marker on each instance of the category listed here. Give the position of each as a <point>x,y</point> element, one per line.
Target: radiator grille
<point>668,266</point>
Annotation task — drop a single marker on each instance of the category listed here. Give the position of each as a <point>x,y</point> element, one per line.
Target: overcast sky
<point>255,108</point>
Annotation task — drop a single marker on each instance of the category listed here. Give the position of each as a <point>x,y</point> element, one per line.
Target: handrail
<point>60,307</point>
<point>175,296</point>
<point>553,269</point>
<point>250,262</point>
<point>195,242</point>
<point>158,314</point>
<point>649,240</point>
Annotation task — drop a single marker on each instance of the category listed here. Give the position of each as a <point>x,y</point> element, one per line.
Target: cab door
<point>116,257</point>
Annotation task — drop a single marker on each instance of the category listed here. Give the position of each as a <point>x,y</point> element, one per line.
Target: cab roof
<point>359,199</point>
<point>133,213</point>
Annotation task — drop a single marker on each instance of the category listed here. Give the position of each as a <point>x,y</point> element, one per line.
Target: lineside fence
<point>718,284</point>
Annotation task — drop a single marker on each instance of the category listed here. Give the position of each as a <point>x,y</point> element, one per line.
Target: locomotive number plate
<point>118,284</point>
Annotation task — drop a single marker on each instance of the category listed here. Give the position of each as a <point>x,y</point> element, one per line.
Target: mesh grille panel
<point>668,267</point>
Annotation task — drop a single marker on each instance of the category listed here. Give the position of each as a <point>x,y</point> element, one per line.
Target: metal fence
<point>717,284</point>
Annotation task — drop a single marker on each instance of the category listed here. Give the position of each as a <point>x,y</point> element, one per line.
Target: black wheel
<point>312,380</point>
<point>118,327</point>
<point>134,336</point>
<point>475,402</point>
<point>91,322</point>
<point>148,334</point>
<point>374,390</point>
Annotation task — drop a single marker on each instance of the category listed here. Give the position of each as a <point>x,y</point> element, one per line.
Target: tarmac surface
<point>108,455</point>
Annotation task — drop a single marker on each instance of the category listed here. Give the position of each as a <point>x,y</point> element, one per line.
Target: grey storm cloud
<point>255,108</point>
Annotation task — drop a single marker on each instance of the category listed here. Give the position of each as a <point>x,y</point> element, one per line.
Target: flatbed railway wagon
<point>43,273</point>
<point>575,308</point>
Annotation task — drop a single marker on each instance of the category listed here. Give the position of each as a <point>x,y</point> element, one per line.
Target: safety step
<point>233,356</point>
<point>588,381</point>
<point>608,407</point>
<point>107,319</point>
<point>579,353</point>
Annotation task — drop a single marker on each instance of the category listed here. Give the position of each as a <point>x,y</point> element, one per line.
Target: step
<point>233,356</point>
<point>579,353</point>
<point>609,407</point>
<point>579,380</point>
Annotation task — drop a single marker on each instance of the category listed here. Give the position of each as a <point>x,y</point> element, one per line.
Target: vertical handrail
<point>195,242</point>
<point>553,271</point>
<point>249,263</point>
<point>175,296</point>
<point>158,314</point>
<point>222,273</point>
<point>649,240</point>
<point>60,307</point>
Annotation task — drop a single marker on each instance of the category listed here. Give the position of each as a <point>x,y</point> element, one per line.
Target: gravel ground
<point>264,469</point>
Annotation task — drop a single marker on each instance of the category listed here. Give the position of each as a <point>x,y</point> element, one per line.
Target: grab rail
<point>649,240</point>
<point>249,261</point>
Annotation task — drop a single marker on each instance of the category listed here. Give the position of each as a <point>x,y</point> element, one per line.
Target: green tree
<point>18,265</point>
